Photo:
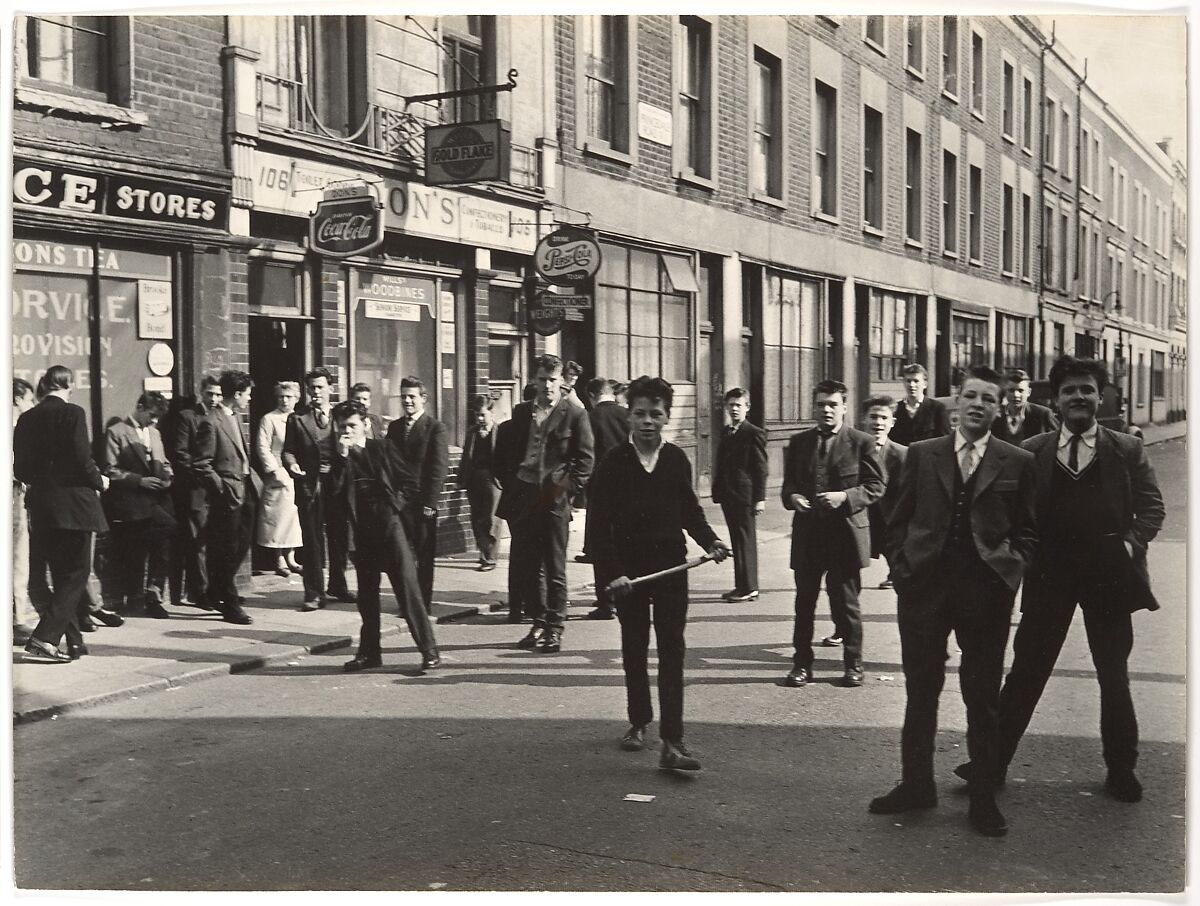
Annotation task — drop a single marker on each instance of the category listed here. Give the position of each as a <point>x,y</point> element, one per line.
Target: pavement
<point>148,655</point>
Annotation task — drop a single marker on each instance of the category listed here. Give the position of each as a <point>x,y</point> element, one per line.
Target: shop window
<point>825,149</point>
<point>766,169</point>
<point>949,203</point>
<point>643,320</point>
<point>913,190</point>
<point>872,176</point>
<point>950,56</point>
<point>969,339</point>
<point>333,69</point>
<point>275,284</point>
<point>695,95</point>
<point>1013,342</point>
<point>606,76</point>
<point>57,317</point>
<point>467,49</point>
<point>793,329</point>
<point>890,329</point>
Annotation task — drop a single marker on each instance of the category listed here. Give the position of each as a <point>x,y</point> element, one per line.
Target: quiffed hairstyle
<point>234,382</point>
<point>572,369</point>
<point>736,393</point>
<point>651,388</point>
<point>360,387</point>
<point>529,392</point>
<point>548,363</point>
<point>20,388</point>
<point>984,373</point>
<point>881,400</point>
<point>598,386</point>
<point>1069,366</point>
<point>210,380</point>
<point>481,402</point>
<point>153,402</point>
<point>830,386</point>
<point>319,371</point>
<point>915,368</point>
<point>347,408</point>
<point>414,382</point>
<point>1016,375</point>
<point>283,386</point>
<point>57,377</point>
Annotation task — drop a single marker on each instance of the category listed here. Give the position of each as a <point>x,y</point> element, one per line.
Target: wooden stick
<point>662,573</point>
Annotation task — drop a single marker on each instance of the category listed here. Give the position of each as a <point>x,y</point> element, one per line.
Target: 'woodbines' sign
<point>567,257</point>
<point>466,152</point>
<point>348,221</point>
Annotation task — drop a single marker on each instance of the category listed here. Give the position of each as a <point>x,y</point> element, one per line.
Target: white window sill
<point>914,243</point>
<point>875,47</point>
<point>1008,138</point>
<point>872,231</point>
<point>606,151</point>
<point>769,200</point>
<point>978,114</point>
<point>974,262</point>
<point>827,218</point>
<point>1027,150</point>
<point>946,253</point>
<point>950,95</point>
<point>915,73</point>
<point>88,108</point>
<point>691,179</point>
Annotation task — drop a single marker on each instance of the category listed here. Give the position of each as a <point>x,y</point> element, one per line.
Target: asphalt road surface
<point>501,771</point>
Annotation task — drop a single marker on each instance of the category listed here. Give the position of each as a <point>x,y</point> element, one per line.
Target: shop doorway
<point>277,353</point>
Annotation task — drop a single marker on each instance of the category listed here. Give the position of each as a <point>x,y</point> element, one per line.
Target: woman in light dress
<point>278,519</point>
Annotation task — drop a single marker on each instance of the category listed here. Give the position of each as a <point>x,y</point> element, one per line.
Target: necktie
<point>322,419</point>
<point>824,447</point>
<point>732,431</point>
<point>966,461</point>
<point>1073,457</point>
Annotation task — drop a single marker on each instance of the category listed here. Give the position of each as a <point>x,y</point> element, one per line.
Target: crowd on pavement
<point>967,503</point>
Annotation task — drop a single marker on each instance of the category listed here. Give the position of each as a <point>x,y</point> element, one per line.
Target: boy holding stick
<point>644,502</point>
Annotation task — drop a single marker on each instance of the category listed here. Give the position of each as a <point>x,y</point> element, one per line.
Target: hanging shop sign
<point>346,223</point>
<point>466,152</point>
<point>567,257</point>
<point>545,321</point>
<point>45,185</point>
<point>564,303</point>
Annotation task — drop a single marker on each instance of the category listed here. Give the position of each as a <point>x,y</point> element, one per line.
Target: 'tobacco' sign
<point>466,152</point>
<point>343,227</point>
<point>567,257</point>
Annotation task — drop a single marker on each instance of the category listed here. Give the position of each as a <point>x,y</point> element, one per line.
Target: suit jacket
<point>180,445</point>
<point>1128,483</point>
<point>1003,520</point>
<point>427,452</point>
<point>302,446</point>
<point>378,431</point>
<point>568,457</point>
<point>222,458</point>
<point>1038,420</point>
<point>892,461</point>
<point>384,462</point>
<point>126,463</point>
<point>852,467</point>
<point>931,420</point>
<point>610,427</point>
<point>468,475</point>
<point>51,454</point>
<point>740,472</point>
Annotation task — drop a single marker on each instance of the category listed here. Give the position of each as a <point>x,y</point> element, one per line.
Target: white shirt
<point>648,460</point>
<point>143,433</point>
<point>913,407</point>
<point>237,423</point>
<point>961,441</point>
<point>1087,446</point>
<point>541,413</point>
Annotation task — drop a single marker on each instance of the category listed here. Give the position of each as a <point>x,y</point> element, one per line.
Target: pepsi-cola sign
<point>342,227</point>
<point>567,257</point>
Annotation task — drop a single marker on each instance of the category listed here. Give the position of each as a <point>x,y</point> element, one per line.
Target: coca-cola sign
<point>567,257</point>
<point>342,227</point>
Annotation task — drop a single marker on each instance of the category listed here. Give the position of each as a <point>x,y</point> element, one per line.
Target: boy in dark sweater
<point>643,502</point>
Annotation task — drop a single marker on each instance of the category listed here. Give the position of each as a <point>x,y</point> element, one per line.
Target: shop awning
<point>683,278</point>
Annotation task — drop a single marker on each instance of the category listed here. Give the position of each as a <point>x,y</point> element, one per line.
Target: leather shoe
<point>311,604</point>
<point>45,653</point>
<point>108,618</point>
<point>362,662</point>
<point>985,817</point>
<point>199,605</point>
<point>233,613</point>
<point>87,624</point>
<point>582,558</point>
<point>906,797</point>
<point>966,771</point>
<point>798,677</point>
<point>740,597</point>
<point>634,739</point>
<point>156,611</point>
<point>76,650</point>
<point>853,677</point>
<point>531,640</point>
<point>600,613</point>
<point>551,641</point>
<point>676,757</point>
<point>431,660</point>
<point>831,641</point>
<point>1123,786</point>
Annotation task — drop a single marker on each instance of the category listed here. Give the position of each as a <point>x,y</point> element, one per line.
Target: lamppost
<point>1119,359</point>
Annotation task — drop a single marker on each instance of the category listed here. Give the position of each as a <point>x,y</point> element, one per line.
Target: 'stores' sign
<point>466,152</point>
<point>567,257</point>
<point>345,226</point>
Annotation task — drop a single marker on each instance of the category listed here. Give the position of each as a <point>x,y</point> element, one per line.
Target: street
<point>501,771</point>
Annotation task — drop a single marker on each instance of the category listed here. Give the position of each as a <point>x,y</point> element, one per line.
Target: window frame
<point>804,395</point>
<point>1026,237</point>
<point>914,188</point>
<point>975,216</point>
<point>917,69</point>
<point>774,191</point>
<point>879,46</point>
<point>950,206</point>
<point>1008,99</point>
<point>623,148</point>
<point>978,74</point>
<point>951,58</point>
<point>1050,133</point>
<point>1008,223</point>
<point>876,355</point>
<point>705,101</point>
<point>872,173</point>
<point>828,158</point>
<point>1027,115</point>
